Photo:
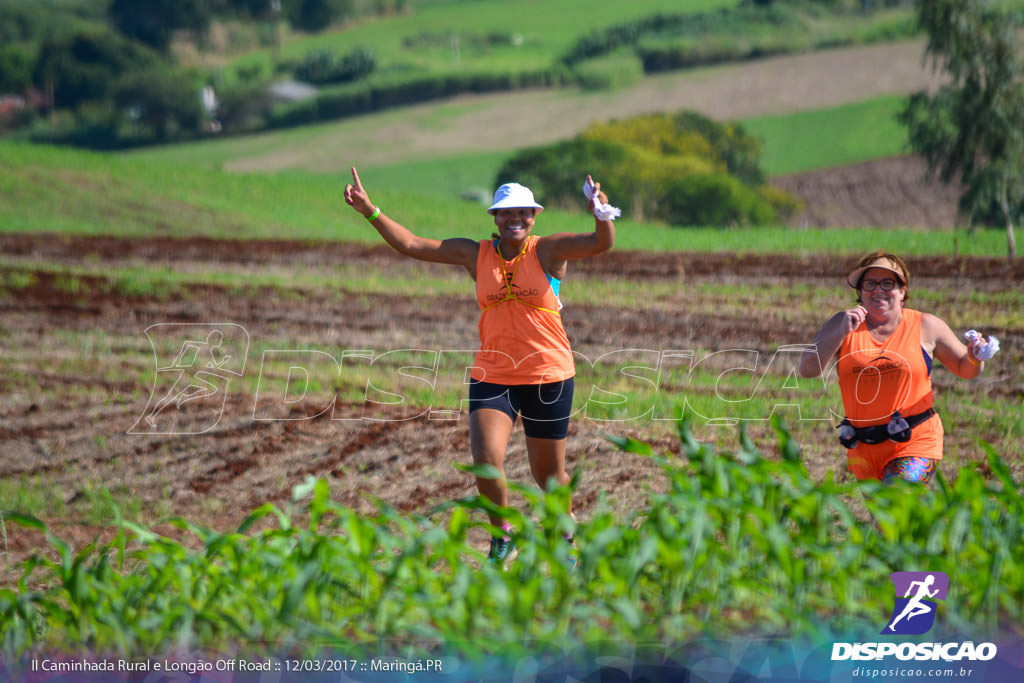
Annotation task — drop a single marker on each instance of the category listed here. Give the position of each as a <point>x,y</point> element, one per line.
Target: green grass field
<point>725,544</point>
<point>813,140</point>
<point>792,143</point>
<point>736,544</point>
<point>449,36</point>
<point>58,190</point>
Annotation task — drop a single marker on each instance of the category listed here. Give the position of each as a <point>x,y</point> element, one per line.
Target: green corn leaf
<point>24,520</point>
<point>1000,469</point>
<point>629,444</point>
<point>483,471</point>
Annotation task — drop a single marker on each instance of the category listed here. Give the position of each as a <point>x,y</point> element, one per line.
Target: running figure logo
<point>914,609</point>
<point>190,387</point>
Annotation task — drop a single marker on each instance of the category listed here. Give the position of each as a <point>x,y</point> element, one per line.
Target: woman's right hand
<point>829,340</point>
<point>854,317</point>
<point>356,197</point>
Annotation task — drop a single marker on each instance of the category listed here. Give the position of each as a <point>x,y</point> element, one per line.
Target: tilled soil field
<point>79,373</point>
<point>894,192</point>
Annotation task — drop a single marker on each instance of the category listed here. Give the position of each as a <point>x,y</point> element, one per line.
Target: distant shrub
<point>86,66</point>
<point>316,15</point>
<point>714,199</point>
<point>243,106</point>
<point>753,28</point>
<point>165,102</point>
<point>444,39</point>
<point>612,71</point>
<point>15,68</point>
<point>693,52</point>
<point>380,93</point>
<point>323,66</point>
<point>683,169</point>
<point>31,22</point>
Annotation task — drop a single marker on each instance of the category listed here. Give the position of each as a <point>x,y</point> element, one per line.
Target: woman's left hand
<point>599,196</point>
<point>972,349</point>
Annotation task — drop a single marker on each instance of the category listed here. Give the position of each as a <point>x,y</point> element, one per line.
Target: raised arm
<point>958,357</point>
<point>456,251</point>
<point>830,338</point>
<point>554,250</point>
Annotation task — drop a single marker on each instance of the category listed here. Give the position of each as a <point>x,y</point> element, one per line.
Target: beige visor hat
<point>853,279</point>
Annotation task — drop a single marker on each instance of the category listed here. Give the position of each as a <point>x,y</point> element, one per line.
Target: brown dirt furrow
<point>628,265</point>
<point>894,192</point>
<point>78,372</point>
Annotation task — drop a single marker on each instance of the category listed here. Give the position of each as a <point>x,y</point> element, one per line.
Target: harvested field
<point>892,192</point>
<point>79,372</point>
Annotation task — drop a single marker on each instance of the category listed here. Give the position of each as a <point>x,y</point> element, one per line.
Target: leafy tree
<point>973,126</point>
<point>323,66</point>
<point>684,169</point>
<point>15,69</point>
<point>553,171</point>
<point>154,22</point>
<point>20,23</point>
<point>316,15</point>
<point>164,101</point>
<point>255,9</point>
<point>84,67</point>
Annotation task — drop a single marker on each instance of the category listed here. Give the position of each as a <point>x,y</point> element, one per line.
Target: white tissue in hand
<point>986,350</point>
<point>604,212</point>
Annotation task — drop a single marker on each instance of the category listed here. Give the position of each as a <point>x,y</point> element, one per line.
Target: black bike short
<point>544,408</point>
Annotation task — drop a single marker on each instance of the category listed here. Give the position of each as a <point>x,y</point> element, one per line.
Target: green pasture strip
<point>333,146</point>
<point>802,141</point>
<point>792,143</point>
<point>424,40</point>
<point>808,141</point>
<point>962,308</point>
<point>805,241</point>
<point>765,548</point>
<point>80,193</point>
<point>164,283</point>
<point>471,175</point>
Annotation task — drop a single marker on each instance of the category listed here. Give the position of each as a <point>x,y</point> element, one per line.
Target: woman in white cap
<point>524,367</point>
<point>885,353</point>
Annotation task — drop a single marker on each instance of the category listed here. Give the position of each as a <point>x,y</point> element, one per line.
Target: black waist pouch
<point>898,429</point>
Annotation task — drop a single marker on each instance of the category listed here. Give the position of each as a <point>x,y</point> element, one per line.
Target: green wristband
<point>373,216</point>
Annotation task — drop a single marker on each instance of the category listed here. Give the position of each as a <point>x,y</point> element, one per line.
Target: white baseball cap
<point>514,196</point>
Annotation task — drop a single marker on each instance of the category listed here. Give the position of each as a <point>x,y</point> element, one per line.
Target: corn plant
<point>738,543</point>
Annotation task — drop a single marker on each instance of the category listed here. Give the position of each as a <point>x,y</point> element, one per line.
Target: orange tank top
<point>522,340</point>
<point>876,379</point>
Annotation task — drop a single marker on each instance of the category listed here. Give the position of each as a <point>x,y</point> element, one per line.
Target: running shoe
<point>502,551</point>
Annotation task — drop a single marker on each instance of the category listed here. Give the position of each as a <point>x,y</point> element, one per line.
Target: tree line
<point>102,74</point>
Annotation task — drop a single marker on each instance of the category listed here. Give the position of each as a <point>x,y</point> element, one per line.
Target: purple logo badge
<point>914,609</point>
